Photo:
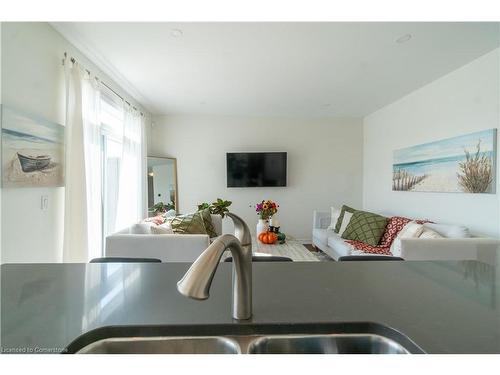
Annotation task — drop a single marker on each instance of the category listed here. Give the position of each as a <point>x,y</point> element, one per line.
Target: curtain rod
<point>73,60</point>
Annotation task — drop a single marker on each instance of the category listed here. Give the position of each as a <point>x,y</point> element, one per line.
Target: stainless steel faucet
<point>198,278</point>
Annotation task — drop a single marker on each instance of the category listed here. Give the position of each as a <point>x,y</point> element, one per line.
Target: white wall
<point>33,80</point>
<point>324,163</point>
<point>461,102</point>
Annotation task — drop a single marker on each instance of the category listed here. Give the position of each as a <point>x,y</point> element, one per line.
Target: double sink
<point>356,338</point>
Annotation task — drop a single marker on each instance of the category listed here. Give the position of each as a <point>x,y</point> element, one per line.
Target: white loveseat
<point>457,243</point>
<point>137,242</point>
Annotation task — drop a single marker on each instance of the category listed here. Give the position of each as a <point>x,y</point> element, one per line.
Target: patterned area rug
<point>321,256</point>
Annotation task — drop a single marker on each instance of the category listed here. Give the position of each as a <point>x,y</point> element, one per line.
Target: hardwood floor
<point>319,254</point>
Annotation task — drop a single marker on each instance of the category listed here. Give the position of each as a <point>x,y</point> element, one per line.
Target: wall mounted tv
<point>256,169</point>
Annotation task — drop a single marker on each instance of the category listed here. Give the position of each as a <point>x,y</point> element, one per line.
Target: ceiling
<point>277,69</point>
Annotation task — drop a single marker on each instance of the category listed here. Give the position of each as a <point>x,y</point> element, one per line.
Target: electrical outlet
<point>44,202</point>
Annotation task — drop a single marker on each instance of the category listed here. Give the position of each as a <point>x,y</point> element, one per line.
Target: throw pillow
<point>394,226</point>
<point>162,229</point>
<point>366,227</point>
<point>335,216</point>
<point>345,222</point>
<point>343,210</point>
<point>429,234</point>
<point>208,223</point>
<point>188,224</point>
<point>410,230</point>
<point>141,228</point>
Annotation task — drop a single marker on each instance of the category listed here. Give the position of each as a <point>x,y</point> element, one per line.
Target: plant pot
<point>262,226</point>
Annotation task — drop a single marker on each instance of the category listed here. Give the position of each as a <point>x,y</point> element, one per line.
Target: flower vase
<point>262,226</point>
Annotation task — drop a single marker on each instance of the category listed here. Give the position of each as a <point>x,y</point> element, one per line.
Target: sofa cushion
<point>365,227</point>
<point>449,231</point>
<point>340,246</point>
<point>341,217</point>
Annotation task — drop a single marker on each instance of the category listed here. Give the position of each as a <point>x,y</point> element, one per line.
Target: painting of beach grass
<point>460,164</point>
<point>32,151</point>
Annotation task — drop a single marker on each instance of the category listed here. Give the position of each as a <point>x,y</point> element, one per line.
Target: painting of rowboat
<point>32,151</point>
<point>464,164</point>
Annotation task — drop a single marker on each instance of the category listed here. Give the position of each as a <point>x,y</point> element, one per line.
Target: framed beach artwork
<point>32,151</point>
<point>466,164</point>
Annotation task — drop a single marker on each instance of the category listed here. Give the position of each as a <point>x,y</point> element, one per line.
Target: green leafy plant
<point>203,206</point>
<point>219,207</point>
<point>160,208</point>
<point>476,176</point>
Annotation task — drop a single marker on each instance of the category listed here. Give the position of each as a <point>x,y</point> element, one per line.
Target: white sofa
<point>457,244</point>
<point>137,242</point>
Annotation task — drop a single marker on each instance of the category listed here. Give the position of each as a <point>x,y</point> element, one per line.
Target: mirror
<point>162,183</point>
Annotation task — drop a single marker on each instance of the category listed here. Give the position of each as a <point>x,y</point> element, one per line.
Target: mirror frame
<point>175,176</point>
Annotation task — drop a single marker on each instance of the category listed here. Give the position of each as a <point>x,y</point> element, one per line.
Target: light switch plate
<point>44,202</point>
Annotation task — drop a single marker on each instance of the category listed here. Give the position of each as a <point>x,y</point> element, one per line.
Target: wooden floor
<point>310,247</point>
<point>318,253</point>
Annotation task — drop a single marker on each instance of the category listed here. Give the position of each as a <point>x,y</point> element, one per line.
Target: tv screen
<point>256,169</point>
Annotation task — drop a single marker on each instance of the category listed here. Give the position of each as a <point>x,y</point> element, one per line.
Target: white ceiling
<point>277,69</point>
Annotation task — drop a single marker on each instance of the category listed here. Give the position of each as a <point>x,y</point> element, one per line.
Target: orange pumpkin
<point>268,237</point>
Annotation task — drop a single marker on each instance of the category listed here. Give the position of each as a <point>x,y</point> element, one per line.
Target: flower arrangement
<point>266,209</point>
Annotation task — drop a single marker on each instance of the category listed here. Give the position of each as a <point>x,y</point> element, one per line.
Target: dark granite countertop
<point>444,307</point>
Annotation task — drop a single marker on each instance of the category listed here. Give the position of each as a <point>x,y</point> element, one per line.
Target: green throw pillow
<point>341,217</point>
<point>189,224</point>
<point>207,221</point>
<point>366,227</point>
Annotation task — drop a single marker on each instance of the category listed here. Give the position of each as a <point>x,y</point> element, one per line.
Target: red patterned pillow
<point>394,226</point>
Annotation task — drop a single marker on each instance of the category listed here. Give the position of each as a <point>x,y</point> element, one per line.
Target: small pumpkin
<point>268,237</point>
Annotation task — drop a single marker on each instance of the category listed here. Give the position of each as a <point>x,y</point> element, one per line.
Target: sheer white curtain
<point>130,193</point>
<point>82,216</point>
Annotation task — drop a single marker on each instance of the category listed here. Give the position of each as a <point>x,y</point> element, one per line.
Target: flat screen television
<point>256,169</point>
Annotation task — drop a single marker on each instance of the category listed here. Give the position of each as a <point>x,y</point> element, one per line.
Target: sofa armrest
<point>321,220</point>
<point>167,247</point>
<point>481,249</point>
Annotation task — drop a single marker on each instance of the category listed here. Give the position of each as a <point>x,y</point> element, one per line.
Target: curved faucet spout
<point>198,279</point>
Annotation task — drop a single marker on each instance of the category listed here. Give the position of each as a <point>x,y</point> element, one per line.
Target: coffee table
<point>291,248</point>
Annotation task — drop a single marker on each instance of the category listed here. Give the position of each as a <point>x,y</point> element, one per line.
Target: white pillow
<point>335,216</point>
<point>410,230</point>
<point>345,222</point>
<point>162,229</point>
<point>141,228</point>
<point>449,231</point>
<point>429,233</point>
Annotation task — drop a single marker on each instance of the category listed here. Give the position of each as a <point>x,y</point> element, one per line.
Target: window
<point>112,122</point>
<point>121,164</point>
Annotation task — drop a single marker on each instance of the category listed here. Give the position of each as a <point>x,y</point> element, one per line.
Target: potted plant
<point>265,210</point>
<point>219,207</point>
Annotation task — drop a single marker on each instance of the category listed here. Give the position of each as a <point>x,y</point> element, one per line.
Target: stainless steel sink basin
<point>326,344</point>
<point>302,338</point>
<point>280,344</point>
<point>163,345</point>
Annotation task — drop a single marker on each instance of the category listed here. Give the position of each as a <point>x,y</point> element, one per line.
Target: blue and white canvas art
<point>465,164</point>
<point>32,151</point>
